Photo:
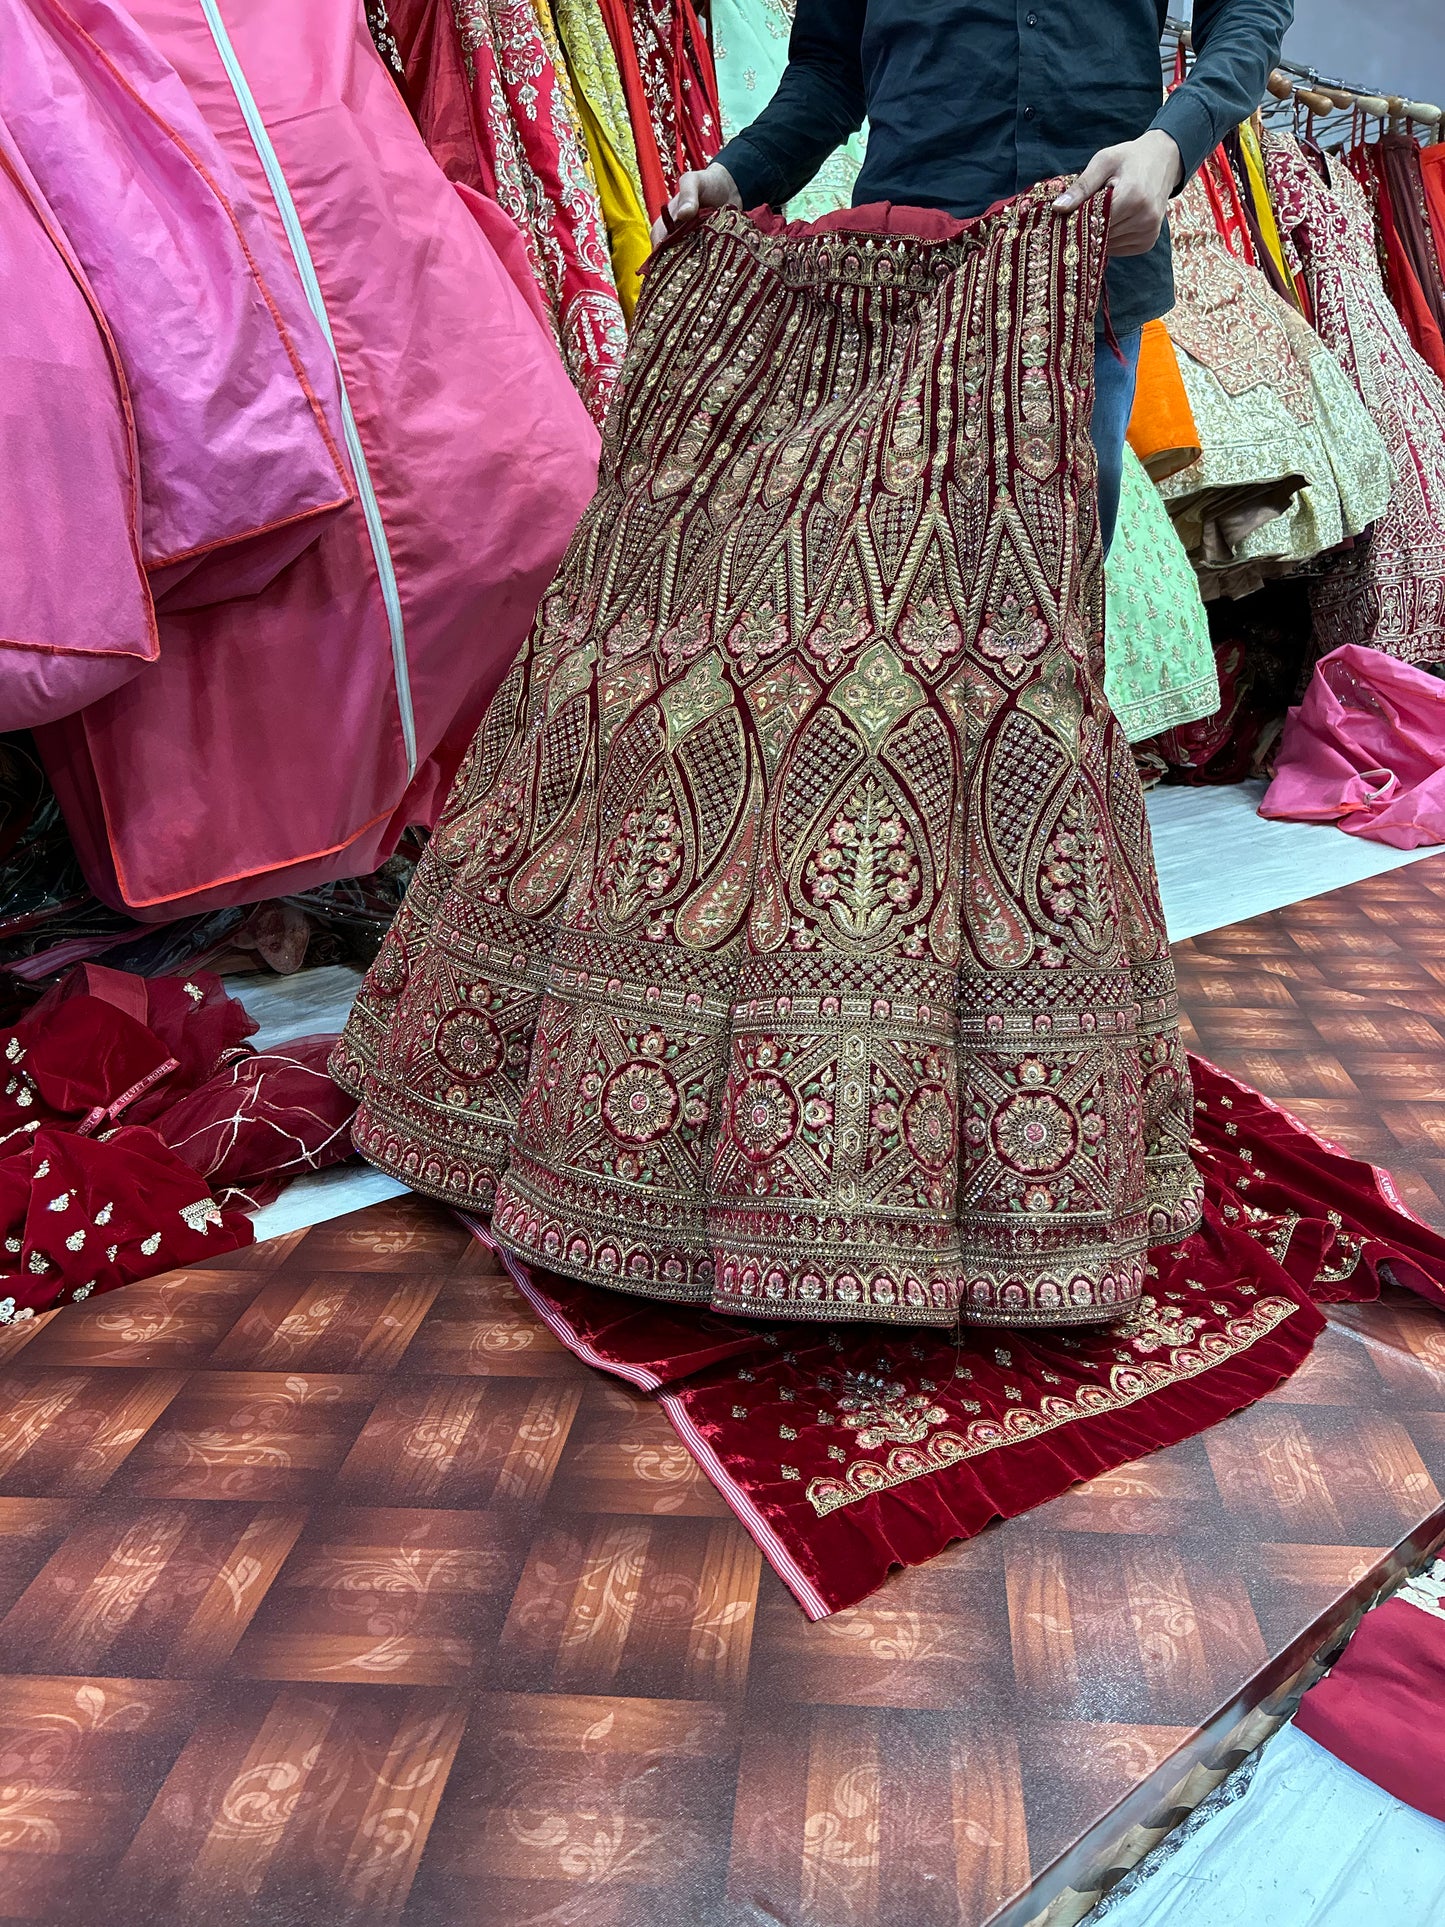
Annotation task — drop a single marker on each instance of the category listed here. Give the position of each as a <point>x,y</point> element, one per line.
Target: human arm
<point>819,102</point>
<point>1236,42</point>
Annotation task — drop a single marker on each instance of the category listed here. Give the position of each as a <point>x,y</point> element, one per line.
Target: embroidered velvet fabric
<point>847,1452</point>
<point>791,942</point>
<point>80,1215</point>
<point>126,1103</point>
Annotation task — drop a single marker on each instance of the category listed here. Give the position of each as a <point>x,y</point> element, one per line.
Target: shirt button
<point>1028,113</point>
<point>1033,20</point>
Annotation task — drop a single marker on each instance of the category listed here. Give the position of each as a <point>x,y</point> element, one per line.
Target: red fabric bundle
<point>89,1197</point>
<point>847,1450</point>
<point>1379,1708</point>
<point>263,1118</point>
<point>80,1215</point>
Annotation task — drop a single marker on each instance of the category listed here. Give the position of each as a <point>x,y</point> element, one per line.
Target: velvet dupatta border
<point>845,1451</point>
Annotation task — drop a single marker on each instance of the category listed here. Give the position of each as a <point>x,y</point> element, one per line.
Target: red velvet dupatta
<point>846,1452</point>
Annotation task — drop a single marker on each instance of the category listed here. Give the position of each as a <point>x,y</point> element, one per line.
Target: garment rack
<point>1325,97</point>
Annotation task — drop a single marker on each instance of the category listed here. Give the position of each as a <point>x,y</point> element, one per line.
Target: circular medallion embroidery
<point>470,1045</point>
<point>639,1102</point>
<point>765,1116</point>
<point>928,1126</point>
<point>1035,1132</point>
<point>389,972</point>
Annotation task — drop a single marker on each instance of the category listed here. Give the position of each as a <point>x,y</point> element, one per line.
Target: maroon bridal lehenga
<point>791,946</point>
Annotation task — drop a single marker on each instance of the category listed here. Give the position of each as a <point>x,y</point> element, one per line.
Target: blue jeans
<point>1113,404</point>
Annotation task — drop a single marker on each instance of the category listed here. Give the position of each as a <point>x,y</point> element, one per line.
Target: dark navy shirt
<point>969,101</point>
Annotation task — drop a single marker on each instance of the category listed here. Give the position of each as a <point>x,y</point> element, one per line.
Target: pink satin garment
<point>264,751</point>
<point>75,612</point>
<point>231,384</point>
<point>1366,750</point>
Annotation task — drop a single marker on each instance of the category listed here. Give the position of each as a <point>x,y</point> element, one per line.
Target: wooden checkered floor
<point>333,1589</point>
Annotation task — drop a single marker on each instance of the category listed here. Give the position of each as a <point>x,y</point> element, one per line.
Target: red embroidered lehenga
<point>1396,601</point>
<point>791,942</point>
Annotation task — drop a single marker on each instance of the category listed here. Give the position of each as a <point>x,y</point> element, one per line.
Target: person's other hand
<point>1144,173</point>
<point>711,187</point>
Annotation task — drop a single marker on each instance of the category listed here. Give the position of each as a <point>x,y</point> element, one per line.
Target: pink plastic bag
<point>229,378</point>
<point>267,750</point>
<point>75,612</point>
<point>1365,749</point>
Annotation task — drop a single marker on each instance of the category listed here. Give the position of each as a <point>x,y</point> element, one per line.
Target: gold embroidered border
<point>1127,1385</point>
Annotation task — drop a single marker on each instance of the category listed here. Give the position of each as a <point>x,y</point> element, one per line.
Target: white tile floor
<point>1219,862</point>
<point>1308,1843</point>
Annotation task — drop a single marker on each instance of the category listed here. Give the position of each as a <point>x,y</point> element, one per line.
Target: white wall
<point>1395,45</point>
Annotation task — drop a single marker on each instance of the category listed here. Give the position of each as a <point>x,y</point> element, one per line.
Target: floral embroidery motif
<point>917,1457</point>
<point>890,1415</point>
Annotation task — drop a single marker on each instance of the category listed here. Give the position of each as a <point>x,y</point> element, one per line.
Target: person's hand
<point>711,187</point>
<point>1144,173</point>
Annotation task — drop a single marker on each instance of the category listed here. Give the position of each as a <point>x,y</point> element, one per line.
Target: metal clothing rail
<point>1378,102</point>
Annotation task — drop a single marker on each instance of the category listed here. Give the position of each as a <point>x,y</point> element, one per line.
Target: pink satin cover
<point>226,387</point>
<point>1366,750</point>
<point>75,612</point>
<point>263,752</point>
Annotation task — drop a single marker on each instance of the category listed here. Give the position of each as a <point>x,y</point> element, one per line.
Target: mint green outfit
<point>750,47</point>
<point>1158,664</point>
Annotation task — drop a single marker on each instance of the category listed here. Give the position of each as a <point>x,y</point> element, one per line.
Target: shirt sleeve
<point>1236,42</point>
<point>820,101</point>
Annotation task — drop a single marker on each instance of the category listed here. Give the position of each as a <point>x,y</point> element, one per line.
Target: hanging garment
<point>229,383</point>
<point>1248,159</point>
<point>629,237</point>
<point>602,105</point>
<point>1291,462</point>
<point>496,115</point>
<point>1396,601</point>
<point>597,78</point>
<point>75,609</point>
<point>1366,750</point>
<point>1408,241</point>
<point>648,99</point>
<point>1378,1707</point>
<point>1158,661</point>
<point>750,41</point>
<point>291,737</point>
<point>668,77</point>
<point>629,233</point>
<point>848,1452</point>
<point>1432,181</point>
<point>1162,430</point>
<point>378,23</point>
<point>792,941</point>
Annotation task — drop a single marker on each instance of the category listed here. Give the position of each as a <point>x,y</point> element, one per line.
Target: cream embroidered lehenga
<point>791,941</point>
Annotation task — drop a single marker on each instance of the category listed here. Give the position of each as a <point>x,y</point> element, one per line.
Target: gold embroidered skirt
<point>791,941</point>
